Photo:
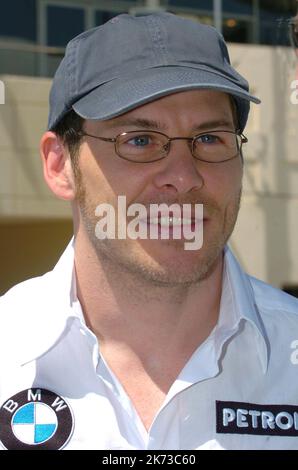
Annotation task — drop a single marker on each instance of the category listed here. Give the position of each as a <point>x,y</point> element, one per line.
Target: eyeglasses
<point>144,146</point>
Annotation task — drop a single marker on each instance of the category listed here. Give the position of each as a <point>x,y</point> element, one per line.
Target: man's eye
<point>207,139</point>
<point>140,141</point>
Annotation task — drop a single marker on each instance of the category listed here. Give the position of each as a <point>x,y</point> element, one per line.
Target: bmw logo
<point>35,419</point>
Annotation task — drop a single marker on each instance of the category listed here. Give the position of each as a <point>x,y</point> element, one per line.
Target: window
<point>63,24</point>
<point>274,21</point>
<point>104,16</point>
<point>235,30</point>
<point>194,4</point>
<point>18,19</point>
<point>242,7</point>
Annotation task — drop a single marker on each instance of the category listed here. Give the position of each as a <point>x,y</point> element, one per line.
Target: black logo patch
<point>35,419</point>
<point>234,417</point>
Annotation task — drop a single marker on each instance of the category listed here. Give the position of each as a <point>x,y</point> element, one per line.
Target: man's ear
<point>57,168</point>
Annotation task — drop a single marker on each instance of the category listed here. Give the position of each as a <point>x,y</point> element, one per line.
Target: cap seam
<point>158,38</point>
<point>71,66</point>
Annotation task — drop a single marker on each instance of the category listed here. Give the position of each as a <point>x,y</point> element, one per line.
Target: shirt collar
<point>54,294</point>
<point>237,303</point>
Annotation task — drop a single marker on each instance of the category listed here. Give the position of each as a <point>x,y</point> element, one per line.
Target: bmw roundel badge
<point>35,419</point>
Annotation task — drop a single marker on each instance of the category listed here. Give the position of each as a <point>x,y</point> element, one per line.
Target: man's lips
<point>172,217</point>
<point>171,221</point>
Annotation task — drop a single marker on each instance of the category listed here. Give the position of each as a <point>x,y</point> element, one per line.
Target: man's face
<point>178,178</point>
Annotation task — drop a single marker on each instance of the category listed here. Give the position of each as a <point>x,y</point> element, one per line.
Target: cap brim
<point>118,96</point>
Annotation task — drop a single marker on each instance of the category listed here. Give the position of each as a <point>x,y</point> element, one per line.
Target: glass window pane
<point>235,30</point>
<point>243,7</point>
<point>18,19</point>
<point>274,21</point>
<point>278,6</point>
<point>102,16</point>
<point>195,4</point>
<point>63,24</point>
<point>231,6</point>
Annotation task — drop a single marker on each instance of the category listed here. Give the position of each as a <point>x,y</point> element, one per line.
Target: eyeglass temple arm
<point>106,139</point>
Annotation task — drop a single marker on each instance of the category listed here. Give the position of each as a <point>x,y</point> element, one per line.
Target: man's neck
<point>149,321</point>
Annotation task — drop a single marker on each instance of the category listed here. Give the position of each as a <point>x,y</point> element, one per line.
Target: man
<point>137,342</point>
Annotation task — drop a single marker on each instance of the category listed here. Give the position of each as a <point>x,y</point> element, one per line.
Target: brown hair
<point>69,129</point>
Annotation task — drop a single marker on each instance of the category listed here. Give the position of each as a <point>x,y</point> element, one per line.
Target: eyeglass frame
<point>114,140</point>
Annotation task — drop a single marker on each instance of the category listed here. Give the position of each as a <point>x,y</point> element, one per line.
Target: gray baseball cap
<point>130,61</point>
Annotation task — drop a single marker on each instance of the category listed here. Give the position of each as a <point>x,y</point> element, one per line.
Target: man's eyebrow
<point>142,123</point>
<point>216,124</point>
<point>145,123</point>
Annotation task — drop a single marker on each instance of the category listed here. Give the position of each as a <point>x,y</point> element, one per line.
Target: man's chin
<point>180,269</point>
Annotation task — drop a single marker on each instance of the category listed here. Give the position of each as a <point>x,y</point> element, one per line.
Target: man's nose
<point>179,169</point>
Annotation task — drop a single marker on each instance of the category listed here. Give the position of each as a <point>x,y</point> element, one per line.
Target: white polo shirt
<point>239,390</point>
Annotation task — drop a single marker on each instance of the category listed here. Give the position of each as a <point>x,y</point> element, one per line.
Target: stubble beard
<point>119,260</point>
